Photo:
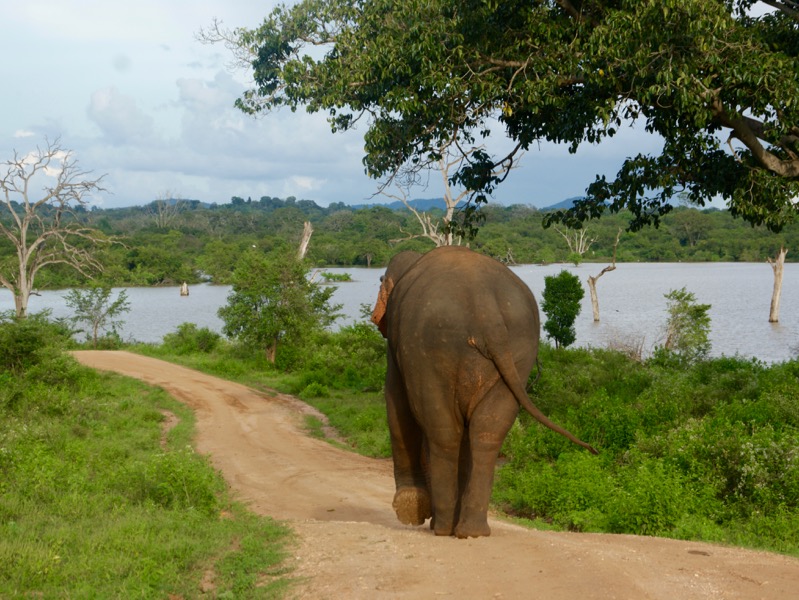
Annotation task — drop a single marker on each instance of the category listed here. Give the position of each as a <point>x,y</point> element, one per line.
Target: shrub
<point>561,304</point>
<point>27,342</point>
<point>188,339</point>
<point>702,451</point>
<point>95,308</point>
<point>314,390</point>
<point>352,358</point>
<point>687,328</point>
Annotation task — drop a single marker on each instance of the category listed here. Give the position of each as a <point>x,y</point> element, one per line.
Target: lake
<point>632,306</point>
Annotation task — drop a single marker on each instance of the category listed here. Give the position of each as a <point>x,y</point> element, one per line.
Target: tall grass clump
<point>95,504</point>
<point>706,451</point>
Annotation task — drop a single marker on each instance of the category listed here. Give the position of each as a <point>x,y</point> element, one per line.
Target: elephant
<point>462,336</point>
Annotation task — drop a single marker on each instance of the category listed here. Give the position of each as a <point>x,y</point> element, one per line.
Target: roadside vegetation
<point>96,501</point>
<point>695,449</point>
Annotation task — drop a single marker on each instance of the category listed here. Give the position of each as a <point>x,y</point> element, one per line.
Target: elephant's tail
<point>507,370</point>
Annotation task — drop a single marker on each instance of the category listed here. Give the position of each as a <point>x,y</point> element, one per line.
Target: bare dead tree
<point>165,208</point>
<point>593,279</point>
<point>45,230</point>
<point>434,228</point>
<point>307,232</point>
<point>577,240</point>
<point>778,266</point>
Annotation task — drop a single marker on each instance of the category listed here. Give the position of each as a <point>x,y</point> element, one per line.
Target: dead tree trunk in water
<point>777,265</point>
<point>593,279</point>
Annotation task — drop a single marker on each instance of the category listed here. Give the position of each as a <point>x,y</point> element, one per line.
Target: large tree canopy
<point>719,85</point>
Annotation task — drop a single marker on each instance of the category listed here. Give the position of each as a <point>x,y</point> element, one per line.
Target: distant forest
<point>168,242</point>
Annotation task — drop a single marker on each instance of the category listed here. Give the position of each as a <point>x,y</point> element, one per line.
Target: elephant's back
<point>460,274</point>
<point>453,289</point>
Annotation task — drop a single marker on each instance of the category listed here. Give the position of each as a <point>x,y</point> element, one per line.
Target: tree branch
<point>742,128</point>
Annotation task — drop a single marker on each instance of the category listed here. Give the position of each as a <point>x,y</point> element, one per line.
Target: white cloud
<point>306,184</point>
<point>119,117</point>
<point>23,133</point>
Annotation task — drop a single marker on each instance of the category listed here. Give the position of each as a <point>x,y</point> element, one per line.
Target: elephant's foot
<point>473,528</point>
<point>412,505</point>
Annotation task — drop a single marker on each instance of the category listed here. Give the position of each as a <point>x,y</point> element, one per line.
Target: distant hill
<point>563,204</point>
<point>422,204</point>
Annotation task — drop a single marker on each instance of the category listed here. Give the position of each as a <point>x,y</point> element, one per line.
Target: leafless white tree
<point>577,240</point>
<point>305,241</point>
<point>778,266</point>
<point>592,279</point>
<point>41,192</point>
<point>165,208</point>
<point>435,228</point>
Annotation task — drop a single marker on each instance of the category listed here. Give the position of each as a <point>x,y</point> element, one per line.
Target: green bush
<point>704,451</point>
<point>352,358</point>
<point>687,328</point>
<point>314,390</point>
<point>30,341</point>
<point>188,339</point>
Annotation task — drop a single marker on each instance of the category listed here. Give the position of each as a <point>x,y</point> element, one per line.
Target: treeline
<point>166,243</point>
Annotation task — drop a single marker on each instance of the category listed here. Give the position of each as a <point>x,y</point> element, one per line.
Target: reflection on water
<point>631,303</point>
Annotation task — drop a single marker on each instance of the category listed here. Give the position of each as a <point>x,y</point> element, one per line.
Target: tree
<point>307,232</point>
<point>272,301</point>
<point>420,118</point>
<point>778,266</point>
<point>578,241</point>
<point>592,279</point>
<point>165,208</point>
<point>459,221</point>
<point>561,304</point>
<point>95,307</point>
<point>718,84</point>
<point>44,230</point>
<point>688,326</point>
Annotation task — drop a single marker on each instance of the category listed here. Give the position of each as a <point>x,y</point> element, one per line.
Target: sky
<point>132,93</point>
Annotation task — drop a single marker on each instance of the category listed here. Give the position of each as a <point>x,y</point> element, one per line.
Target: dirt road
<point>351,546</point>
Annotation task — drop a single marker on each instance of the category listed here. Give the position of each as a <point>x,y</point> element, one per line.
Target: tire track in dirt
<point>350,545</point>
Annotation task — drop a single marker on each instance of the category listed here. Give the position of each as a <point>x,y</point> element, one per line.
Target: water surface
<point>632,306</point>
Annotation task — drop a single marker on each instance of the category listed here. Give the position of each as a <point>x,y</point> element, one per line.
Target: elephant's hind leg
<point>488,427</point>
<point>412,505</point>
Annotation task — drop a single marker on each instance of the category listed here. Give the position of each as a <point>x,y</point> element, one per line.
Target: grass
<point>92,506</point>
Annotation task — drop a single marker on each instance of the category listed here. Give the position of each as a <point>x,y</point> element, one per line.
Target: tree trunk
<point>594,298</point>
<point>21,304</point>
<point>593,279</point>
<point>271,352</point>
<point>306,239</point>
<point>777,265</point>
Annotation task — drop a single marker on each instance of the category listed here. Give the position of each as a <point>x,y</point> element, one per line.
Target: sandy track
<point>351,546</point>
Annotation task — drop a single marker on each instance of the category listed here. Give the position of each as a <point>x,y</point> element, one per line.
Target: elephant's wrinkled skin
<point>462,333</point>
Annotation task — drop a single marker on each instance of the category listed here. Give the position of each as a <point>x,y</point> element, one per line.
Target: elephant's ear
<point>379,312</point>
